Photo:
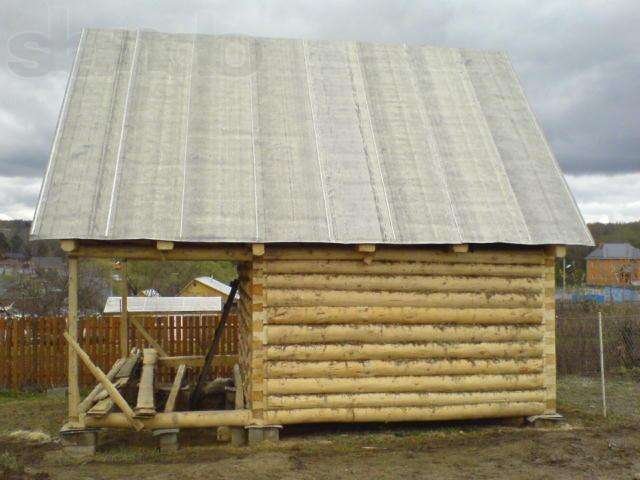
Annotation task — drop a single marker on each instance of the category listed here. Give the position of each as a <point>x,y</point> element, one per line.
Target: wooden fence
<point>33,353</point>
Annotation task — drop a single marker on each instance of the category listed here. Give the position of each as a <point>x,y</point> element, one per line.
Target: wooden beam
<point>152,341</point>
<point>124,310</point>
<point>198,360</point>
<point>175,389</point>
<point>179,252</point>
<point>72,333</point>
<point>217,335</point>
<point>257,249</point>
<point>366,247</point>
<point>113,392</point>
<point>164,245</point>
<point>460,248</point>
<point>68,245</point>
<point>145,405</point>
<point>193,419</point>
<point>88,401</point>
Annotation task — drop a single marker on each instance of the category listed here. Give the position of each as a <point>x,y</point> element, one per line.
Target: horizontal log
<point>358,267</point>
<point>150,252</point>
<point>291,334</point>
<point>404,283</point>
<point>384,368</point>
<point>390,351</point>
<point>431,399</point>
<point>443,383</point>
<point>348,298</point>
<point>533,256</point>
<point>404,414</point>
<point>402,315</point>
<point>192,419</point>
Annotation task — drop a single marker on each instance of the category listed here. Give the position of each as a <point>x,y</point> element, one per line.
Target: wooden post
<point>72,329</point>
<point>124,311</point>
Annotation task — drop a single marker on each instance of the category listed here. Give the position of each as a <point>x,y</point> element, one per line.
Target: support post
<point>602,382</point>
<point>72,329</point>
<point>124,311</point>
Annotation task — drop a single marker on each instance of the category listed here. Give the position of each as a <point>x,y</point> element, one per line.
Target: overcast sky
<point>579,62</point>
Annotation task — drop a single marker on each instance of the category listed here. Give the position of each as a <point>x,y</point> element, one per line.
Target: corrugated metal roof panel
<point>164,304</point>
<point>238,139</point>
<point>623,251</point>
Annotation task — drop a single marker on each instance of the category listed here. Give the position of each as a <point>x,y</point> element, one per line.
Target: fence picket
<point>36,353</point>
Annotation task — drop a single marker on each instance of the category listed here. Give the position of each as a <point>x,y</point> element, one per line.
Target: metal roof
<point>620,251</point>
<point>204,138</point>
<point>216,285</point>
<point>164,304</point>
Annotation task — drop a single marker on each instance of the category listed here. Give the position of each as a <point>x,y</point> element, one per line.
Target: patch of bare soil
<point>584,446</point>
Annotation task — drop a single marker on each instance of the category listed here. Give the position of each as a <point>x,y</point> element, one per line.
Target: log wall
<point>333,334</point>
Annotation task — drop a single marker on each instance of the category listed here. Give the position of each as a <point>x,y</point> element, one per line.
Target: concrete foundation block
<point>223,434</point>
<point>255,435</point>
<point>238,436</point>
<point>167,439</point>
<point>266,433</point>
<point>79,442</point>
<point>271,434</point>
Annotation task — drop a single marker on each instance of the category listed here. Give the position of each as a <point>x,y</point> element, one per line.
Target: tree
<point>4,244</point>
<point>169,277</point>
<point>16,243</point>
<point>39,294</point>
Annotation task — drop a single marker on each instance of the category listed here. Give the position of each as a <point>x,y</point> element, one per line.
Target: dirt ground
<point>584,446</point>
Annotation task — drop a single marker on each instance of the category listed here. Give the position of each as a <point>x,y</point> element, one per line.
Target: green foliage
<point>4,243</point>
<point>168,278</point>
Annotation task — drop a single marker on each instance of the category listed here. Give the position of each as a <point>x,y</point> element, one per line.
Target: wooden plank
<point>89,399</point>
<point>237,380</point>
<point>145,405</point>
<point>175,389</point>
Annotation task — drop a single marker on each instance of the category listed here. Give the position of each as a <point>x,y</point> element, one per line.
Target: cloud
<point>606,199</point>
<point>579,60</point>
<point>18,196</point>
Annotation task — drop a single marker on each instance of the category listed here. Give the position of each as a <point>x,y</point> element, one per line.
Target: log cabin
<point>394,212</point>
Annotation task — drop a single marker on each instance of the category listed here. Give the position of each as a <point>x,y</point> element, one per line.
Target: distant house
<point>157,305</point>
<point>206,287</point>
<point>614,264</point>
